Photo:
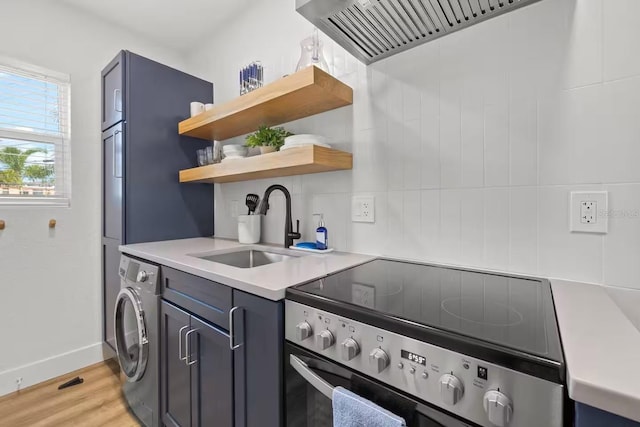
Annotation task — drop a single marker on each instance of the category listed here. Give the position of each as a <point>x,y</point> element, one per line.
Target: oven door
<point>310,379</point>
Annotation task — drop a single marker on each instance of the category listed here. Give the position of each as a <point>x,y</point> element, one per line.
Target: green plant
<point>39,173</point>
<point>15,162</point>
<point>267,136</point>
<point>16,159</point>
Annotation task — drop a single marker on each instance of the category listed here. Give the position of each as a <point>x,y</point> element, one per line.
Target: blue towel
<point>351,410</point>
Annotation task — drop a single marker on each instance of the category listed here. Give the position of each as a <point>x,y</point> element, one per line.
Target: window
<point>34,136</point>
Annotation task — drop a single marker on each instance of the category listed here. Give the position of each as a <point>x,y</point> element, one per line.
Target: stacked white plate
<point>303,140</point>
<point>234,151</point>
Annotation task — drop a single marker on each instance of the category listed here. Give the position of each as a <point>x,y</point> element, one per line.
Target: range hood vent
<point>375,29</point>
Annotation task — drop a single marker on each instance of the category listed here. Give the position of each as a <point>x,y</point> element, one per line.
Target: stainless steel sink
<point>247,258</point>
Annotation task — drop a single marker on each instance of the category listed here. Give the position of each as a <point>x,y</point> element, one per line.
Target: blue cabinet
<point>258,362</point>
<point>196,371</point>
<point>113,91</point>
<point>217,385</point>
<point>211,376</point>
<point>142,152</point>
<point>175,374</point>
<point>588,416</point>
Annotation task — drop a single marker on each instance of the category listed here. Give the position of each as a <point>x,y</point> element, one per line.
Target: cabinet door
<point>113,92</point>
<point>258,362</point>
<point>110,286</point>
<point>112,181</point>
<point>175,378</point>
<point>588,416</point>
<point>211,375</point>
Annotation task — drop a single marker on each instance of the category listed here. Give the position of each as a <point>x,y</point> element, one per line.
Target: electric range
<point>468,347</point>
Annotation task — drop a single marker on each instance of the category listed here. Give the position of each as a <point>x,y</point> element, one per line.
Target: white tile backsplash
<point>523,229</point>
<point>472,231</point>
<point>471,143</point>
<point>622,243</point>
<point>429,247</point>
<point>620,33</point>
<point>472,137</point>
<point>584,63</point>
<point>395,224</point>
<point>449,239</point>
<point>496,142</point>
<point>496,228</point>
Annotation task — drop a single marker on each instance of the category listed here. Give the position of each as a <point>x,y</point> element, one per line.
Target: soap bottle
<point>322,239</point>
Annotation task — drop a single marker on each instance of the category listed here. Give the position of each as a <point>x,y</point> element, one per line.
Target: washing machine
<point>137,336</point>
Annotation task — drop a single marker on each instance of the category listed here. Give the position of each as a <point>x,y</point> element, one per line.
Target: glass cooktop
<point>511,312</point>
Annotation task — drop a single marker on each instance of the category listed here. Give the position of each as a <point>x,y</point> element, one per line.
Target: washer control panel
<point>139,275</point>
<point>481,392</point>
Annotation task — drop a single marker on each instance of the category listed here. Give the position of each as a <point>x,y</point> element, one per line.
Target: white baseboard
<point>51,367</point>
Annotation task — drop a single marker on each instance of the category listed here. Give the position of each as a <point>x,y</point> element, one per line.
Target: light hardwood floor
<point>96,402</point>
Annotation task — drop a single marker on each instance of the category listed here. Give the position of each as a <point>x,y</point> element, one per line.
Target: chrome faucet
<point>289,234</point>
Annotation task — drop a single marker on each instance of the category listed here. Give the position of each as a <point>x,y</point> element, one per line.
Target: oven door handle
<point>312,378</point>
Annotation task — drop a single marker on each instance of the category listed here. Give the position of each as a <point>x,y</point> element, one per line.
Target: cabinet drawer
<point>204,298</point>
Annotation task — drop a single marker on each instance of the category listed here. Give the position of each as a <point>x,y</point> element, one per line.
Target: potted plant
<point>267,138</point>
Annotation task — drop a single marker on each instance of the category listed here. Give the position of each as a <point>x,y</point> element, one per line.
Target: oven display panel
<point>412,357</point>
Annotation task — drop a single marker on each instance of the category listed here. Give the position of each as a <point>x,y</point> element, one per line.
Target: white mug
<point>196,108</point>
<point>249,228</point>
<point>208,107</point>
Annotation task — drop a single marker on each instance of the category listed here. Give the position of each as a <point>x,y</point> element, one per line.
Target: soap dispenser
<point>322,238</point>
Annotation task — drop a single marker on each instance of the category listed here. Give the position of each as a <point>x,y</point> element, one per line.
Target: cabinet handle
<point>117,171</point>
<point>188,352</point>
<point>115,100</point>
<point>232,332</point>
<point>180,343</point>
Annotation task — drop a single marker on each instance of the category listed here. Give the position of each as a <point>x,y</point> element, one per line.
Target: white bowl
<point>289,146</point>
<point>234,149</point>
<point>235,152</point>
<point>232,158</point>
<point>305,139</point>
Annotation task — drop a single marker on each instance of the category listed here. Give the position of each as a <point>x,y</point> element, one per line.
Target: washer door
<point>132,344</point>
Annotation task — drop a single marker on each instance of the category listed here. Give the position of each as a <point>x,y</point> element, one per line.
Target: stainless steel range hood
<point>375,29</point>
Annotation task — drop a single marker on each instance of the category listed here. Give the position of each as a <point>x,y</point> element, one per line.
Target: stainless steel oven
<point>434,345</point>
<point>310,379</point>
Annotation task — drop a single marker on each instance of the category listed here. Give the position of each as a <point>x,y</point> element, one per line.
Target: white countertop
<point>599,328</point>
<point>268,281</point>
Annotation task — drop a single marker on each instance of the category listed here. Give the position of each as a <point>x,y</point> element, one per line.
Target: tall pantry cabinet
<point>142,199</point>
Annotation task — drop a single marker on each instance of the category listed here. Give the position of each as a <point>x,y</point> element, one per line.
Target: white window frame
<point>62,164</point>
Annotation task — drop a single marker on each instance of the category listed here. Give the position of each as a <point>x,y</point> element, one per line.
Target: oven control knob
<point>142,276</point>
<point>350,349</point>
<point>451,389</point>
<point>498,408</point>
<point>303,331</point>
<point>324,339</point>
<point>379,359</point>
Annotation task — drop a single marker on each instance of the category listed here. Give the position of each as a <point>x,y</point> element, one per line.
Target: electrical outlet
<point>363,209</point>
<point>18,383</point>
<point>588,211</point>
<point>364,295</point>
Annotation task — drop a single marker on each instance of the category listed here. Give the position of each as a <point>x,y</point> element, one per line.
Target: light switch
<point>588,211</point>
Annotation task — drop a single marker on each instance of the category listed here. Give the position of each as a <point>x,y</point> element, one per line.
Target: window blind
<point>35,135</point>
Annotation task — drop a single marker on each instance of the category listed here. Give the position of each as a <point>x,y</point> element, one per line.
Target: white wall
<point>50,304</point>
<point>471,143</point>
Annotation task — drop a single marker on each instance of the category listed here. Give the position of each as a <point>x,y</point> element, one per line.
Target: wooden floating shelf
<point>294,161</point>
<point>302,94</point>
